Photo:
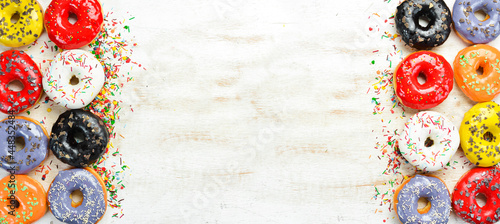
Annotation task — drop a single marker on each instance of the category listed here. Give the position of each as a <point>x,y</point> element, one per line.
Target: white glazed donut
<point>428,141</point>
<point>86,69</point>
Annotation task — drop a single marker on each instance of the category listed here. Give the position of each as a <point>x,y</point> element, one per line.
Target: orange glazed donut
<point>29,199</point>
<point>478,87</point>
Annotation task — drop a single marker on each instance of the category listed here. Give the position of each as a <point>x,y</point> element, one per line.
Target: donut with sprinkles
<point>472,30</point>
<point>24,30</point>
<point>72,36</point>
<point>432,188</point>
<point>479,133</point>
<point>35,148</point>
<point>476,181</point>
<point>78,138</point>
<point>18,66</point>
<point>420,36</point>
<point>428,141</point>
<point>27,196</point>
<point>438,76</point>
<point>73,79</point>
<point>479,87</point>
<point>88,211</point>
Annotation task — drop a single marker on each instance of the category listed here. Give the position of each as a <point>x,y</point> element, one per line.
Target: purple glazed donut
<point>90,209</point>
<point>433,189</point>
<point>469,28</point>
<point>34,151</point>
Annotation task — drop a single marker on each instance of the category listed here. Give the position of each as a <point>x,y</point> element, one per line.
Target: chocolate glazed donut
<point>434,34</point>
<point>78,138</point>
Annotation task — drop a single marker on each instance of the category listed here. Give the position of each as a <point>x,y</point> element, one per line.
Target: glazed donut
<point>72,125</point>
<point>428,141</point>
<point>17,65</point>
<point>90,209</point>
<point>34,151</point>
<point>71,36</point>
<point>434,34</point>
<point>479,88</point>
<point>29,199</point>
<point>28,27</point>
<point>439,80</point>
<point>478,181</point>
<point>469,28</point>
<point>73,65</point>
<point>433,189</point>
<point>478,134</point>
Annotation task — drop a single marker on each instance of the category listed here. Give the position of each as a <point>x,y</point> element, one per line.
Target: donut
<point>78,138</point>
<point>72,36</point>
<point>28,26</point>
<point>23,200</point>
<point>439,80</point>
<point>432,188</point>
<point>476,181</point>
<point>413,33</point>
<point>478,87</point>
<point>478,134</point>
<point>469,28</point>
<point>17,65</point>
<point>428,141</point>
<point>34,151</point>
<point>73,79</point>
<point>90,209</point>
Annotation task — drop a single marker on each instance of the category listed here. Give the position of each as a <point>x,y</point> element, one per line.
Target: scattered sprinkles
<point>114,50</point>
<point>394,169</point>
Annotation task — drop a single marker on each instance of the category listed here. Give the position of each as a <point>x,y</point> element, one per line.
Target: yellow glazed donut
<point>478,134</point>
<point>28,26</point>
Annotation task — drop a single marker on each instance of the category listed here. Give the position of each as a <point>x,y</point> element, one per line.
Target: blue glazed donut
<point>469,28</point>
<point>34,151</point>
<point>433,189</point>
<point>90,209</point>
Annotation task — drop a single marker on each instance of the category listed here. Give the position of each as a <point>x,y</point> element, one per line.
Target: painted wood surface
<point>262,112</point>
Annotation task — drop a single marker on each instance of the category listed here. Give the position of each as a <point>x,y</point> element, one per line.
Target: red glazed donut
<point>17,65</point>
<point>478,180</point>
<point>72,36</point>
<point>439,80</point>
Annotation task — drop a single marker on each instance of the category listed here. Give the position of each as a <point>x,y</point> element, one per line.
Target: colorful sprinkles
<point>113,47</point>
<point>114,51</point>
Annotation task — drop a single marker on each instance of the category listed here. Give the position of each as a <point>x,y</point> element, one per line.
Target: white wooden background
<point>258,112</point>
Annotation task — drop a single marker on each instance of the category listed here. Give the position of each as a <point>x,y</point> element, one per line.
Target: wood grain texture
<point>258,112</point>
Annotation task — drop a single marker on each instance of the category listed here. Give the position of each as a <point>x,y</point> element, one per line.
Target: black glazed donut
<point>78,138</point>
<point>434,34</point>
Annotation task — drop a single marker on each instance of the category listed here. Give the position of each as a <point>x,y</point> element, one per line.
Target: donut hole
<point>14,202</point>
<point>421,78</point>
<point>428,142</point>
<point>74,80</point>
<point>423,21</point>
<point>479,70</point>
<point>481,199</point>
<point>76,198</point>
<point>14,18</point>
<point>424,205</point>
<point>15,85</point>
<point>20,143</point>
<point>77,136</point>
<point>481,15</point>
<point>72,18</point>
<point>488,136</point>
